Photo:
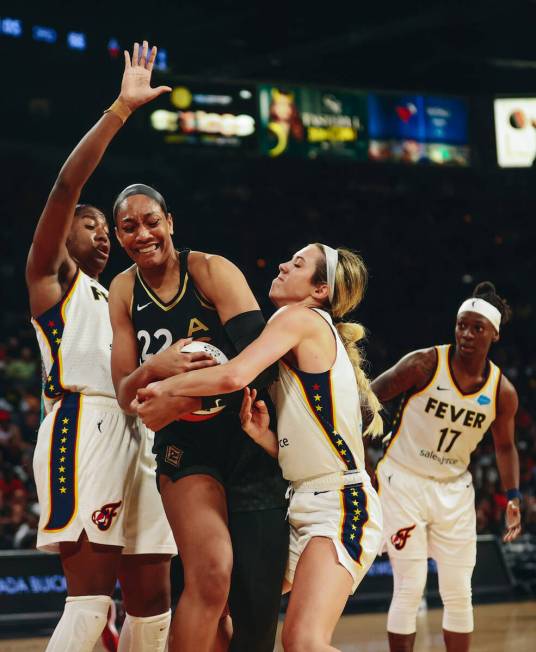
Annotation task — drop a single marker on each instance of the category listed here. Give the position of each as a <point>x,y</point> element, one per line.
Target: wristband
<point>120,109</point>
<point>512,494</point>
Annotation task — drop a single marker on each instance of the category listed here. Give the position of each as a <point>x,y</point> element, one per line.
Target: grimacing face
<point>144,231</point>
<point>294,282</point>
<point>474,334</point>
<point>89,241</point>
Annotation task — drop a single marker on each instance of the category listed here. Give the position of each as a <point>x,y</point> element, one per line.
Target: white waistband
<point>98,399</point>
<point>331,481</point>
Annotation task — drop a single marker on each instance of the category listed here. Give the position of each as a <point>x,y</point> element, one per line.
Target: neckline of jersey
<point>450,371</point>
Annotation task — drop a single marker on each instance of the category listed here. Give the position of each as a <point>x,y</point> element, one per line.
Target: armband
<point>512,494</point>
<point>120,109</point>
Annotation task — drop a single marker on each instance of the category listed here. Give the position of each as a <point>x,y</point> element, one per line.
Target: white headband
<point>332,258</point>
<point>483,308</point>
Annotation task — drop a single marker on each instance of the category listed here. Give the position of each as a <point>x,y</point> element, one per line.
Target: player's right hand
<point>172,361</point>
<point>136,87</point>
<point>254,416</point>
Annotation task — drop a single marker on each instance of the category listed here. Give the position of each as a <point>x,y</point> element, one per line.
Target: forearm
<point>223,379</point>
<point>268,441</point>
<point>508,465</point>
<point>127,386</point>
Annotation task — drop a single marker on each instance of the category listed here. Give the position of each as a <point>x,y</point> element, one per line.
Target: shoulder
<point>122,285</point>
<point>296,316</point>
<point>422,361</point>
<point>201,264</point>
<point>507,398</point>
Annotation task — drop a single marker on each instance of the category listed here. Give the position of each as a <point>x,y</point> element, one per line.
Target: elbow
<point>233,381</point>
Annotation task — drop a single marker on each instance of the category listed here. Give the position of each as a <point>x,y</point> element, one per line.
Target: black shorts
<point>220,448</point>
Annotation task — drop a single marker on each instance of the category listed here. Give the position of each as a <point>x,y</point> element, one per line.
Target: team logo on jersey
<point>103,517</point>
<point>483,400</point>
<point>173,455</point>
<point>399,539</point>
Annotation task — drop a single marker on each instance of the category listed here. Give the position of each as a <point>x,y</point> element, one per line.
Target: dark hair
<point>486,290</point>
<point>82,208</point>
<point>139,189</point>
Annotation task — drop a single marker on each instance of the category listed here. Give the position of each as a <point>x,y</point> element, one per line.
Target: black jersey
<point>249,474</point>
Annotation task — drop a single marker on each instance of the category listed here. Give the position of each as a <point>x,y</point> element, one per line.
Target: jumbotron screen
<point>515,131</point>
<point>208,114</point>
<point>418,129</point>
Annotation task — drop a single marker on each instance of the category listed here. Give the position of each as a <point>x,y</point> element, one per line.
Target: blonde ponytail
<point>350,283</point>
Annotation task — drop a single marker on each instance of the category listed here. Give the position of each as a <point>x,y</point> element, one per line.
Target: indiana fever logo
<point>400,538</point>
<point>103,517</point>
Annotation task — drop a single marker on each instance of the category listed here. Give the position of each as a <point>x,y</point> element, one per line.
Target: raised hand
<point>136,87</point>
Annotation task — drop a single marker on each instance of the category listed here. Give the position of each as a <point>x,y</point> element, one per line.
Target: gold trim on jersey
<point>203,300</point>
<point>156,300</point>
<point>63,308</point>
<point>319,423</point>
<point>421,391</point>
<point>450,374</point>
<point>496,393</point>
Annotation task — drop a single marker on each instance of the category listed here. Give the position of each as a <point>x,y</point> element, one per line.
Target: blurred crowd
<point>20,377</point>
<point>427,236</point>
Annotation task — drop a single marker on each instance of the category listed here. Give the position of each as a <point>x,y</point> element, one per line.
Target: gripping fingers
<point>201,364</point>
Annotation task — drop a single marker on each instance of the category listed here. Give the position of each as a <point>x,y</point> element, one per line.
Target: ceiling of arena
<point>461,46</point>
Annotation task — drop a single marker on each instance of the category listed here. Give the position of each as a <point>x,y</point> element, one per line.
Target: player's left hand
<point>157,407</point>
<point>513,521</point>
<point>136,87</point>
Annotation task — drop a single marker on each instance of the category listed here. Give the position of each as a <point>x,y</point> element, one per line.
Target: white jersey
<point>319,418</point>
<point>75,339</point>
<point>439,426</point>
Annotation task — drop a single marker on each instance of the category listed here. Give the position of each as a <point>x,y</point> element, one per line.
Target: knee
<point>300,638</point>
<point>147,602</point>
<point>210,582</point>
<point>455,591</point>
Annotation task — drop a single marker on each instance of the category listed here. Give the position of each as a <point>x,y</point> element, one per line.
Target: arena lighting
<point>76,40</point>
<point>161,62</point>
<point>11,27</point>
<point>113,48</point>
<point>44,34</point>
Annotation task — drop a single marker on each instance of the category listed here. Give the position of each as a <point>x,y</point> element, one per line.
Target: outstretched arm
<point>506,453</point>
<point>48,253</point>
<point>158,403</point>
<point>414,370</point>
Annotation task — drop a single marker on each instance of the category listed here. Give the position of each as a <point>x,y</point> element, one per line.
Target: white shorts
<point>425,518</point>
<point>350,517</point>
<point>94,471</point>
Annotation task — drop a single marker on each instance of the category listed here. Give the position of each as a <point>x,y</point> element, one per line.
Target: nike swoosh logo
<point>321,492</point>
<point>138,307</point>
<point>442,389</point>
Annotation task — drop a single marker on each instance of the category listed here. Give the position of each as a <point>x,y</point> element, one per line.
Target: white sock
<point>145,634</point>
<point>81,624</point>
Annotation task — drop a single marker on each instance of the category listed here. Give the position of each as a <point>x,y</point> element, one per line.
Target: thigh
<point>260,547</point>
<point>89,568</point>
<point>319,592</point>
<point>452,532</point>
<point>196,509</point>
<point>147,531</point>
<point>404,516</point>
<point>145,584</point>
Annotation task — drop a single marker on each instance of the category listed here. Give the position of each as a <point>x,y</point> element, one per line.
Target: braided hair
<point>486,290</point>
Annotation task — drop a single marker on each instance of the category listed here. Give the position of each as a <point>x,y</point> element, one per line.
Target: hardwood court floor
<point>507,627</point>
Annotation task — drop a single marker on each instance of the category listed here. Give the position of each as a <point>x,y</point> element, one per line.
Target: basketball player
<point>451,397</point>
<point>334,514</point>
<point>223,496</point>
<point>93,470</point>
